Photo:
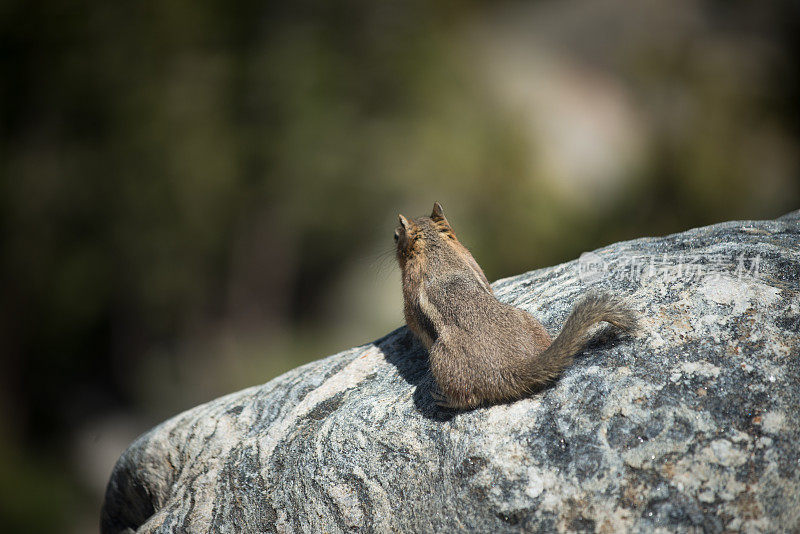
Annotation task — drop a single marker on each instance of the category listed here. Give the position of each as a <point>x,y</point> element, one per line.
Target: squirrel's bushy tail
<point>592,309</point>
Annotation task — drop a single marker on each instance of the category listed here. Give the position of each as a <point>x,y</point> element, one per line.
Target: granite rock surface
<point>691,425</point>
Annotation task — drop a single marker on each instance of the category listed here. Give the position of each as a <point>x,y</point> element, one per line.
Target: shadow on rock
<point>407,354</point>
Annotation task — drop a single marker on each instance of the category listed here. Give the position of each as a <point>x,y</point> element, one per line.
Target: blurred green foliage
<point>193,194</point>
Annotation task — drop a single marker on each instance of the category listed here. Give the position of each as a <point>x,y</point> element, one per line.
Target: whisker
<point>381,263</point>
<point>384,261</point>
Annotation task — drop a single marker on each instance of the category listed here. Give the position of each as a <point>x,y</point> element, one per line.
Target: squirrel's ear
<point>403,222</point>
<point>438,213</point>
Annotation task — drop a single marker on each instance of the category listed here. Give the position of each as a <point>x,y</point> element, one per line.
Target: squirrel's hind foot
<point>443,401</point>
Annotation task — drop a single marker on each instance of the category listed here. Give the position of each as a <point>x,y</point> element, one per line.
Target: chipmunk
<point>481,350</point>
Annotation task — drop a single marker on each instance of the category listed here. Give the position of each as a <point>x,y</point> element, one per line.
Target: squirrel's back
<point>482,350</point>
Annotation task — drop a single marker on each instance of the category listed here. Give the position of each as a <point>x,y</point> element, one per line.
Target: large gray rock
<point>692,424</point>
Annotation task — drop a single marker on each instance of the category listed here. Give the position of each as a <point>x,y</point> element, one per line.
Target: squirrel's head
<point>417,236</point>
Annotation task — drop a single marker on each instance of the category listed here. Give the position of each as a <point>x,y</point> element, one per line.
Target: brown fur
<point>482,350</point>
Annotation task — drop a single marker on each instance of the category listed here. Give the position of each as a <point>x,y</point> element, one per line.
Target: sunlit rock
<point>691,425</point>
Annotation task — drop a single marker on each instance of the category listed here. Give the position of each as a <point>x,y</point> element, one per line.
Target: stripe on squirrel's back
<point>429,315</point>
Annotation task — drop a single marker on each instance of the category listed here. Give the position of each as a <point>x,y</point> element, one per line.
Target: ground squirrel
<point>481,350</point>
